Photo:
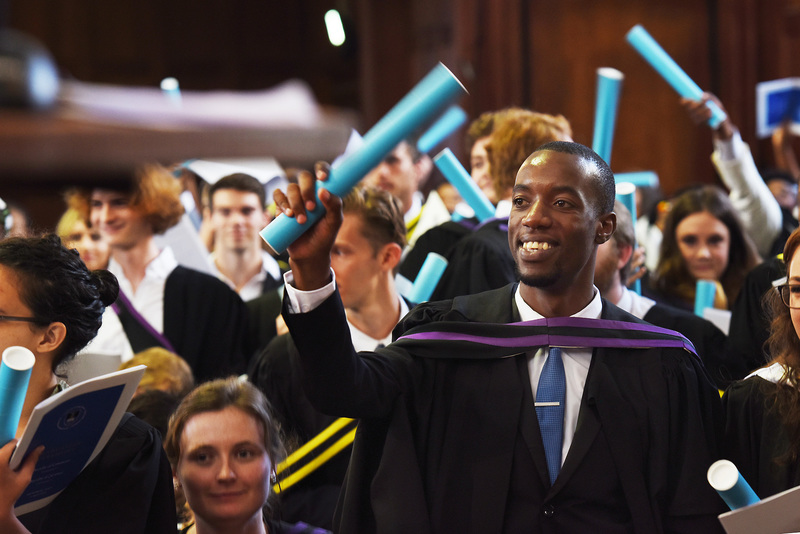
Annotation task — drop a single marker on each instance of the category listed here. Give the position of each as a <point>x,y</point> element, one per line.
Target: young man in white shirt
<point>238,212</point>
<point>162,303</point>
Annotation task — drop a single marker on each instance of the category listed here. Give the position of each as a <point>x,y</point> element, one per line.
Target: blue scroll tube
<point>651,51</point>
<point>427,278</point>
<point>455,173</point>
<point>15,372</point>
<point>731,486</point>
<point>448,123</point>
<point>639,178</point>
<point>704,296</point>
<point>609,84</point>
<point>424,102</point>
<point>626,193</point>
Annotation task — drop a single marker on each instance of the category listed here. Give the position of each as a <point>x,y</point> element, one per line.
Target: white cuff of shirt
<point>306,301</point>
<point>731,148</point>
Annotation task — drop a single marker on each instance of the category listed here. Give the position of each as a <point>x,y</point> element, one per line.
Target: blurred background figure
<point>75,232</point>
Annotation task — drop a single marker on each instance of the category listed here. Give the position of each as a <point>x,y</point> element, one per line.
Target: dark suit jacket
<point>449,445</point>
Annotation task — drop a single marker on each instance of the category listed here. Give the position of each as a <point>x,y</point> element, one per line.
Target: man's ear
<point>606,226</point>
<point>53,337</point>
<point>389,256</point>
<point>625,252</point>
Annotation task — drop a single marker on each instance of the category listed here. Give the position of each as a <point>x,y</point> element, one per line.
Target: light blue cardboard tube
<point>704,296</point>
<point>651,51</point>
<point>609,85</point>
<point>639,178</point>
<point>626,194</point>
<point>444,126</point>
<point>427,278</point>
<point>428,98</point>
<point>455,173</point>
<point>731,485</point>
<point>15,372</point>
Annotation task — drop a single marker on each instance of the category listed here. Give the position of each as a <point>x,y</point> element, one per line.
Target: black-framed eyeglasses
<point>20,319</point>
<point>790,294</point>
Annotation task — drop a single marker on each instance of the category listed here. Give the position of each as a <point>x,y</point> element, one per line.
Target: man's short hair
<point>381,215</point>
<point>606,191</point>
<point>239,182</point>
<point>624,235</point>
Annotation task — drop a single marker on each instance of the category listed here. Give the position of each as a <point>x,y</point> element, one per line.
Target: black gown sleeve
<point>126,489</point>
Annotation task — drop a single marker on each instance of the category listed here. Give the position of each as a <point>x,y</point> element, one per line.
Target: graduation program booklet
<point>778,514</point>
<point>73,425</point>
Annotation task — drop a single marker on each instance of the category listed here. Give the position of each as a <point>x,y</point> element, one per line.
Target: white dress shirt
<point>148,300</point>
<point>576,366</point>
<point>254,287</point>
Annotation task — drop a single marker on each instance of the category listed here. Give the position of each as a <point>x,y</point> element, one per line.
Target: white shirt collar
<point>503,209</point>
<point>635,304</point>
<point>159,267</point>
<point>591,311</point>
<point>416,207</point>
<point>362,341</point>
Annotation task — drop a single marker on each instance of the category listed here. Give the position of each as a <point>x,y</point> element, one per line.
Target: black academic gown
<point>126,489</point>
<point>710,342</point>
<point>755,439</point>
<point>447,445</point>
<point>439,239</point>
<point>206,323</point>
<point>478,262</point>
<point>749,319</point>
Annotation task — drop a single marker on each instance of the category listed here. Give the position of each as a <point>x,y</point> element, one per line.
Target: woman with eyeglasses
<point>52,304</point>
<point>763,410</point>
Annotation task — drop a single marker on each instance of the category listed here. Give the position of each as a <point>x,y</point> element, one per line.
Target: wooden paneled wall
<point>534,53</point>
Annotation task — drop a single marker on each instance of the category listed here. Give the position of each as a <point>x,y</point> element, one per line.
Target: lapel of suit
<point>585,431</point>
<point>529,426</point>
<point>494,310</point>
<point>589,420</point>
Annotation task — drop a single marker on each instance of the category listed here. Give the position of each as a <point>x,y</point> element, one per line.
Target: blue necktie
<point>550,398</point>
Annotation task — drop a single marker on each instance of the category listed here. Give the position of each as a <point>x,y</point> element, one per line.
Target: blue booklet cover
<point>777,101</point>
<point>74,426</point>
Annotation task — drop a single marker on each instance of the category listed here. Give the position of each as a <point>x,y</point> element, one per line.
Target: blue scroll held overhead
<point>428,99</point>
<point>458,176</point>
<point>652,52</point>
<point>445,125</point>
<point>428,277</point>
<point>609,86</point>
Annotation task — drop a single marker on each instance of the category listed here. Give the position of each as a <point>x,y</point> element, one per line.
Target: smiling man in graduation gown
<point>456,430</point>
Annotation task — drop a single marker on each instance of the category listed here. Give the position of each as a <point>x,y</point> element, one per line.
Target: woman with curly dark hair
<point>53,305</point>
<point>703,240</point>
<point>763,410</point>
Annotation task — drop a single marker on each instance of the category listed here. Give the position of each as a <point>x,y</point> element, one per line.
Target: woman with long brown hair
<point>703,239</point>
<point>763,410</point>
